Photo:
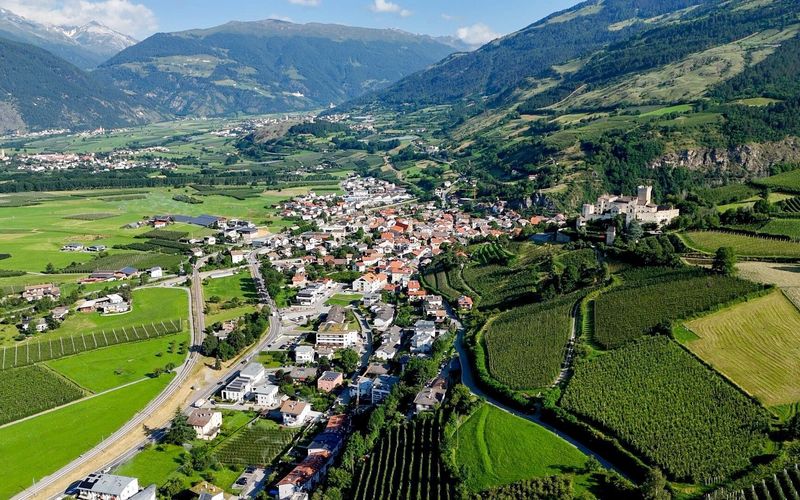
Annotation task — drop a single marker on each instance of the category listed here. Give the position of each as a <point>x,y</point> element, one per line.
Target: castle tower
<point>645,195</point>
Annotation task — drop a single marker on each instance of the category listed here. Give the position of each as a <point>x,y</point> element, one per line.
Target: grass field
<point>497,448</point>
<point>113,366</point>
<point>750,246</point>
<point>239,286</point>
<point>34,234</point>
<point>757,345</point>
<point>62,435</point>
<point>149,305</point>
<point>343,299</point>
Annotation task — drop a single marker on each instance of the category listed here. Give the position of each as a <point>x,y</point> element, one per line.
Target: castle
<point>640,208</point>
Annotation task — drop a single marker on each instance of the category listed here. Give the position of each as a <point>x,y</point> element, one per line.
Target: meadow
<point>109,367</point>
<point>64,434</point>
<point>406,463</point>
<point>663,403</point>
<point>34,234</point>
<point>749,246</point>
<point>626,313</point>
<point>495,448</point>
<point>238,287</point>
<point>526,346</point>
<point>756,344</point>
<point>47,388</point>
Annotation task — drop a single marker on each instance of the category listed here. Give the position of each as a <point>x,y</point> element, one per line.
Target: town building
<point>295,413</point>
<point>329,381</point>
<point>107,487</point>
<point>206,423</point>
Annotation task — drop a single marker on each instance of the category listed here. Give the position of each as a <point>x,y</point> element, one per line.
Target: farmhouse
<point>38,292</point>
<point>206,423</point>
<point>110,304</point>
<point>639,208</point>
<point>72,247</point>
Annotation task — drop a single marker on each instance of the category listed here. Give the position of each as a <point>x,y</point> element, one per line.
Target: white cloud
<point>448,17</point>
<point>385,6</point>
<point>477,34</point>
<point>305,3</point>
<point>124,16</point>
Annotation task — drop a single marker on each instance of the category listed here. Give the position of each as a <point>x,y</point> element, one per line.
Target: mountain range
<point>84,46</point>
<point>266,66</point>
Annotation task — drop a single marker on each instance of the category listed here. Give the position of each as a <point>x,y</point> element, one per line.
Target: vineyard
<point>439,281</point>
<point>783,485</point>
<point>628,312</point>
<point>677,413</point>
<point>497,285</point>
<point>163,234</point>
<point>790,206</point>
<point>786,181</point>
<point>258,444</point>
<point>783,227</point>
<point>526,346</point>
<point>121,260</point>
<point>491,253</point>
<point>405,464</point>
<point>33,389</point>
<point>90,217</point>
<point>54,348</point>
<point>744,245</point>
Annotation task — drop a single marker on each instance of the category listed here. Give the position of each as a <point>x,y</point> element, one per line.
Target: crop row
<point>405,465</point>
<point>526,346</point>
<point>32,389</point>
<point>663,403</point>
<point>490,253</point>
<point>254,445</point>
<point>122,260</point>
<point>54,348</point>
<point>626,313</point>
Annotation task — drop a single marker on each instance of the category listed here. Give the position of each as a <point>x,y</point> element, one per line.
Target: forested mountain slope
<point>267,66</point>
<point>40,91</point>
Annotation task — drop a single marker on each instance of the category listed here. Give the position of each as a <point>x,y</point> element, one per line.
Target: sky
<point>474,21</point>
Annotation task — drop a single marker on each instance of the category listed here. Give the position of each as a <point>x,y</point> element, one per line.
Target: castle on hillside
<point>640,208</point>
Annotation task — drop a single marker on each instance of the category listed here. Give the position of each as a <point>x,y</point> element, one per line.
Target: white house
<point>156,273</point>
<point>304,354</point>
<point>107,487</point>
<point>295,413</point>
<point>370,283</point>
<point>266,394</point>
<point>237,256</point>
<point>206,423</point>
<point>242,386</point>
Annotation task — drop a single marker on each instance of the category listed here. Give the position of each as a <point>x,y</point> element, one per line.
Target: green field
<point>64,434</point>
<point>32,389</point>
<point>667,406</point>
<point>788,181</point>
<point>343,299</point>
<point>150,305</point>
<point>782,227</point>
<point>34,234</point>
<point>749,246</point>
<point>526,346</point>
<point>757,345</point>
<point>257,444</point>
<point>113,366</point>
<point>626,313</point>
<point>495,448</point>
<point>239,288</point>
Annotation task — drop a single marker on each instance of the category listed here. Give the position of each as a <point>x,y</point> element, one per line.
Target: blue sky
<point>473,20</point>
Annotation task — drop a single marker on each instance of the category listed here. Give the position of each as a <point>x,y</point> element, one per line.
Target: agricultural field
<point>490,253</point>
<point>34,226</point>
<point>526,346</point>
<point>756,344</point>
<point>626,313</point>
<point>109,367</point>
<point>747,246</point>
<point>440,282</point>
<point>257,444</point>
<point>784,276</point>
<point>783,484</point>
<point>62,435</point>
<point>663,403</point>
<point>786,181</point>
<point>495,448</point>
<point>406,463</point>
<point>30,390</point>
<point>50,348</point>
<point>782,227</point>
